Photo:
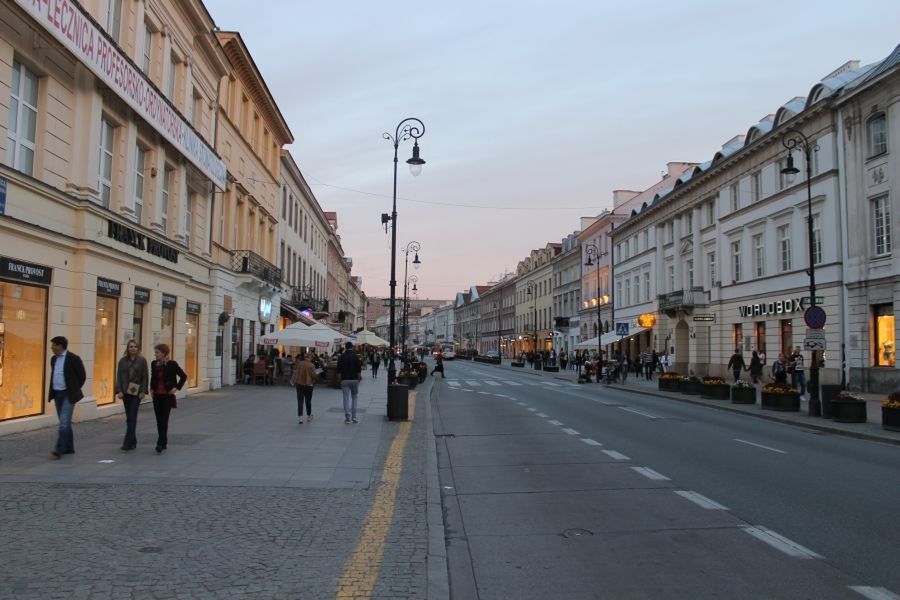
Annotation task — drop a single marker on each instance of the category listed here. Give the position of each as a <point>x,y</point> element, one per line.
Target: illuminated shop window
<point>885,347</point>
<point>105,350</point>
<point>23,349</point>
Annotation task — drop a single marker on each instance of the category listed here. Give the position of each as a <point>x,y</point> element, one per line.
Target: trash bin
<point>829,391</point>
<point>398,402</point>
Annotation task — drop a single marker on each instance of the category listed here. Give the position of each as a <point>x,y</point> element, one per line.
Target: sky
<point>534,112</point>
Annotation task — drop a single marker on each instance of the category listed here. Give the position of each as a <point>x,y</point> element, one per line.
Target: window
<point>784,247</point>
<point>106,156</point>
<point>737,336</point>
<point>786,332</point>
<point>760,327</point>
<point>877,135</point>
<point>23,313</point>
<point>736,261</point>
<point>782,178</point>
<point>646,287</point>
<point>618,252</point>
<point>114,19</point>
<point>688,223</point>
<point>628,248</point>
<point>711,267</point>
<point>105,349</point>
<point>885,347</point>
<point>164,205</point>
<point>637,289</point>
<point>167,324</point>
<point>148,50</point>
<point>284,202</point>
<point>815,158</point>
<point>817,239</point>
<point>671,277</point>
<point>881,226</point>
<point>689,271</point>
<point>735,197</point>
<point>170,82</point>
<point>139,160</point>
<point>759,255</point>
<point>710,212</point>
<point>670,232</point>
<point>618,289</point>
<point>195,109</point>
<point>20,133</point>
<point>188,214</point>
<point>191,346</point>
<point>756,186</point>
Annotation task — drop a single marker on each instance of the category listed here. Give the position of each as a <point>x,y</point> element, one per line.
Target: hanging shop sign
<point>141,295</point>
<point>168,301</point>
<point>71,25</point>
<point>779,307</point>
<point>192,308</point>
<point>105,287</point>
<point>265,309</point>
<point>127,235</point>
<point>11,268</point>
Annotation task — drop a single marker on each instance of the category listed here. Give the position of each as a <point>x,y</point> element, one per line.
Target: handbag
<point>133,389</point>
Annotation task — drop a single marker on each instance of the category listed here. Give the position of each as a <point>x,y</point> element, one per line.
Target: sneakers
<point>347,420</point>
<point>354,420</point>
<point>309,418</point>
<point>301,420</point>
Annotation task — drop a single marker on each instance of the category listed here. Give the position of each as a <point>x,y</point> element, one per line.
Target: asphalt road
<point>555,490</point>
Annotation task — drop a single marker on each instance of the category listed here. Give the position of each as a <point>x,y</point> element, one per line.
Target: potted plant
<point>715,388</point>
<point>780,396</point>
<point>422,369</point>
<point>691,385</point>
<point>743,392</point>
<point>669,381</point>
<point>848,407</point>
<point>890,412</point>
<point>409,377</point>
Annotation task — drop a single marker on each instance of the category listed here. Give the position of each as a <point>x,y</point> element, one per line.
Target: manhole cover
<point>577,533</point>
<point>150,550</point>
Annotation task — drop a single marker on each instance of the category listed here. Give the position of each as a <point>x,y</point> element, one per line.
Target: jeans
<point>350,389</point>
<point>737,374</point>
<point>162,406</point>
<point>304,394</point>
<point>132,404</point>
<point>374,370</point>
<point>65,440</point>
<point>798,380</point>
<point>648,372</point>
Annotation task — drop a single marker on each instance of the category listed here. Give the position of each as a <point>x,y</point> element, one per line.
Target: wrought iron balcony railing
<point>247,261</point>
<point>683,299</point>
<point>302,298</point>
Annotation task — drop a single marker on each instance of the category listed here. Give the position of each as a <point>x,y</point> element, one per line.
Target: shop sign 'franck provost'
<point>779,307</point>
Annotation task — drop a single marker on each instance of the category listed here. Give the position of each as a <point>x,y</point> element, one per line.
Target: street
<point>553,489</point>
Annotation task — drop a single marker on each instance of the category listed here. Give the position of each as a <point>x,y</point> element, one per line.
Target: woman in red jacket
<point>166,378</point>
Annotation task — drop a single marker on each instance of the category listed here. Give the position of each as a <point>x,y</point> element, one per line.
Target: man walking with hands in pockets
<point>349,367</point>
<point>67,377</point>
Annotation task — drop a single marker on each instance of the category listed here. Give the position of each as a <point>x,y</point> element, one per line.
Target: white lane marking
<point>512,383</point>
<point>591,442</point>
<point>570,431</point>
<point>473,383</point>
<point>637,412</point>
<point>532,409</point>
<point>453,383</point>
<point>605,403</point>
<point>557,423</point>
<point>615,455</point>
<point>875,593</point>
<point>700,500</point>
<point>492,383</point>
<point>523,404</point>
<point>779,542</point>
<point>484,393</point>
<point>542,415</point>
<point>760,446</point>
<point>651,474</point>
<point>550,383</point>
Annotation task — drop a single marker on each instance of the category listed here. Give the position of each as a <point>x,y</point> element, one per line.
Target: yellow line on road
<point>361,570</point>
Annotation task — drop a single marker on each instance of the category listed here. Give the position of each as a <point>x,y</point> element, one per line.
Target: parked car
<point>449,354</point>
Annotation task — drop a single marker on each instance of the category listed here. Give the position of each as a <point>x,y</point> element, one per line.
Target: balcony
<point>247,261</point>
<point>302,299</point>
<point>683,300</point>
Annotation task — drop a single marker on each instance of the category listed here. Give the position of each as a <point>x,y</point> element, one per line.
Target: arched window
<point>876,128</point>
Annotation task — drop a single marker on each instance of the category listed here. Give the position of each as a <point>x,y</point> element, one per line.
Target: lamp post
<point>499,341</point>
<point>409,128</point>
<point>594,253</point>
<point>531,288</point>
<point>794,139</point>
<point>412,279</point>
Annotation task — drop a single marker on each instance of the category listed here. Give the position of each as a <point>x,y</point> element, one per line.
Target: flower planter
<point>668,385</point>
<point>716,391</point>
<point>783,402</point>
<point>743,395</point>
<point>890,418</point>
<point>848,411</point>
<point>408,381</point>
<point>690,388</point>
<point>551,369</point>
<point>518,365</point>
<point>829,391</point>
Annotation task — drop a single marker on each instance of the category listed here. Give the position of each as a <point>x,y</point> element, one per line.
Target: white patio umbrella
<point>367,337</point>
<point>306,336</point>
<point>590,344</point>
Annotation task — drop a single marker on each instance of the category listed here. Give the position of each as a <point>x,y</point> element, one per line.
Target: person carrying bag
<point>131,387</point>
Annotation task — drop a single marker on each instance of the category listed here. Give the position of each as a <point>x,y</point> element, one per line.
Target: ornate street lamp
<point>409,128</point>
<point>594,253</point>
<point>794,139</point>
<point>412,279</point>
<point>531,288</point>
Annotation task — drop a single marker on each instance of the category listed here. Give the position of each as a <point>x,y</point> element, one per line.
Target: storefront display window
<point>167,327</point>
<point>787,336</point>
<point>105,349</point>
<point>885,347</point>
<point>737,336</point>
<point>23,349</point>
<point>191,337</point>
<point>761,336</point>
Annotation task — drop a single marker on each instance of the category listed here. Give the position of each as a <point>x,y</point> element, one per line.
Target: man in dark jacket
<point>67,377</point>
<point>736,363</point>
<point>349,367</point>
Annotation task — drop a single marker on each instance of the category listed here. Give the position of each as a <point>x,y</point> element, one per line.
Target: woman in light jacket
<point>131,387</point>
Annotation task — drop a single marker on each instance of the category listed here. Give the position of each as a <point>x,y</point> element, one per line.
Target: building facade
<point>567,294</point>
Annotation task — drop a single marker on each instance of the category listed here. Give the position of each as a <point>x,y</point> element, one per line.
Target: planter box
<point>890,418</point>
<point>848,411</point>
<point>718,391</point>
<point>829,391</point>
<point>551,369</point>
<point>398,403</point>
<point>519,365</point>
<point>669,385</point>
<point>690,388</point>
<point>409,382</point>
<point>789,402</point>
<point>743,395</point>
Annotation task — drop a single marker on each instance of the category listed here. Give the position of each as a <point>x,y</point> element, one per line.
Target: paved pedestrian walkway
<point>871,430</point>
<point>245,503</point>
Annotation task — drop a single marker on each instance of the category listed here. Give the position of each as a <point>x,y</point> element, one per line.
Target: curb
<point>438,578</point>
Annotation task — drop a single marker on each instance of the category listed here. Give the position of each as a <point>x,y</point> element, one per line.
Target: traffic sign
<point>704,317</point>
<point>805,300</point>
<point>814,317</point>
<point>814,344</point>
<point>622,329</point>
<point>815,333</point>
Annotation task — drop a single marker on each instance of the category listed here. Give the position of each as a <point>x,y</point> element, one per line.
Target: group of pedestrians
<point>793,365</point>
<point>134,380</point>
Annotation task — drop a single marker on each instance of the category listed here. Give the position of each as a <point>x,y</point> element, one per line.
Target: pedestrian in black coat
<point>166,378</point>
<point>67,377</point>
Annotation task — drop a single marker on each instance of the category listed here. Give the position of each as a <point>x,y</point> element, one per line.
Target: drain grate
<point>445,435</point>
<point>577,533</point>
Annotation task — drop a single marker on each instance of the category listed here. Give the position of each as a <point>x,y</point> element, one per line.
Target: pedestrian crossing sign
<point>622,329</point>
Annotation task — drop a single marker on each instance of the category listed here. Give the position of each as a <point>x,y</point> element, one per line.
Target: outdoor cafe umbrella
<point>302,335</point>
<point>368,338</point>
